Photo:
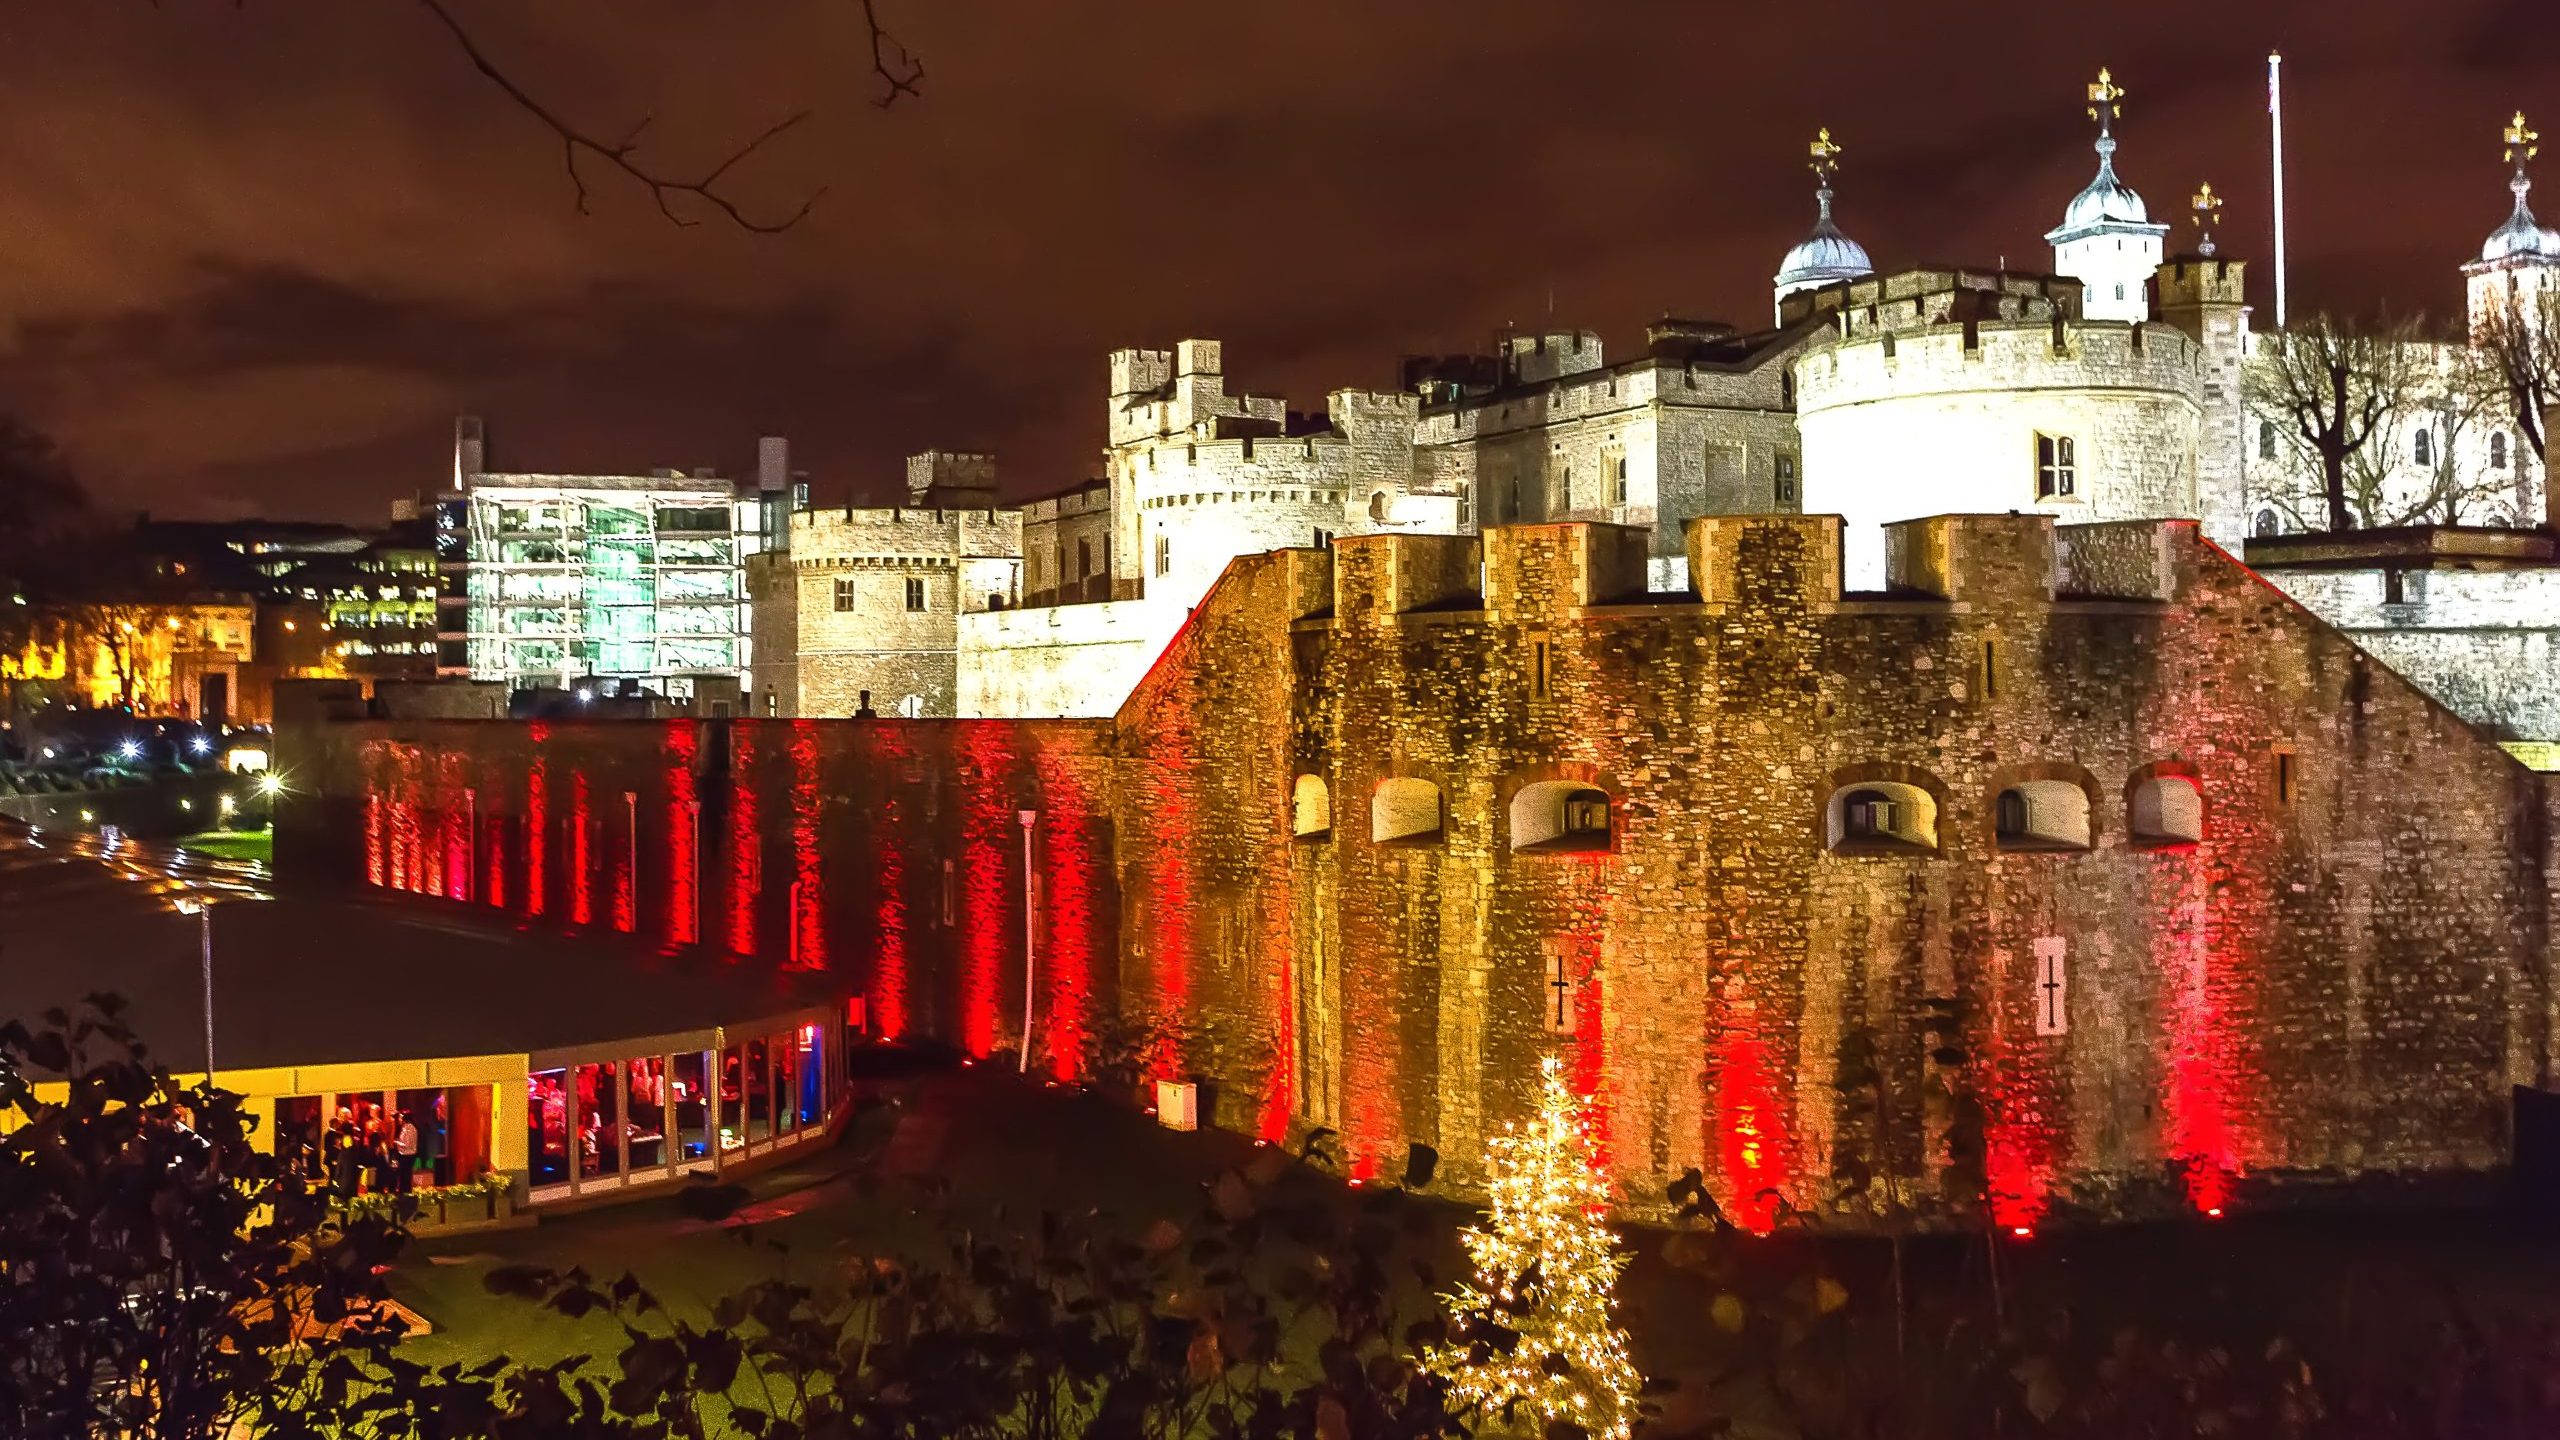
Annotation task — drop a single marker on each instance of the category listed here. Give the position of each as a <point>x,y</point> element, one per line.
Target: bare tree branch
<point>679,199</point>
<point>899,70</point>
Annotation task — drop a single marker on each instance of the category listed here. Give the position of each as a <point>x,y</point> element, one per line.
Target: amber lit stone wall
<point>1292,867</point>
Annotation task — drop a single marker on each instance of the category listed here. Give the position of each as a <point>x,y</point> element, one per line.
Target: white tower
<point>1826,256</point>
<point>2520,260</point>
<point>2106,240</point>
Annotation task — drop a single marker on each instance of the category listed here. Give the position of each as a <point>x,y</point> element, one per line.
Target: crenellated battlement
<point>1753,562</point>
<point>1998,355</point>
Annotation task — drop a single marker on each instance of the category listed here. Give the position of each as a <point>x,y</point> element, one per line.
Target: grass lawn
<point>257,845</point>
<point>2351,1291</point>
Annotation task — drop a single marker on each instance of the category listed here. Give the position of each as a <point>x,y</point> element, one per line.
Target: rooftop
<point>304,981</point>
<point>2448,547</point>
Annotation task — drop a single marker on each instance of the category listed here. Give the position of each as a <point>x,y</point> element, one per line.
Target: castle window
<point>1378,507</point>
<point>1164,554</point>
<point>1786,483</point>
<point>2395,591</point>
<point>1310,809</point>
<point>2422,447</point>
<point>2497,449</point>
<point>2165,810</point>
<point>2267,524</point>
<point>915,593</point>
<point>2284,777</point>
<point>2042,815</point>
<point>1560,815</point>
<point>1324,538</point>
<point>2057,467</point>
<point>1466,508</point>
<point>2266,439</point>
<point>1404,811</point>
<point>1084,559</point>
<point>1618,485</point>
<point>845,588</point>
<point>1881,818</point>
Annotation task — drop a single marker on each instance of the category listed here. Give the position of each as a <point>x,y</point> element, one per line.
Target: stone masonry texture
<point>2334,979</point>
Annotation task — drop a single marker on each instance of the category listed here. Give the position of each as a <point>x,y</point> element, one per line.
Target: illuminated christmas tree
<point>1534,1336</point>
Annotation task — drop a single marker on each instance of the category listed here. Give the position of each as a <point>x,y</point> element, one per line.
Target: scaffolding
<point>569,578</point>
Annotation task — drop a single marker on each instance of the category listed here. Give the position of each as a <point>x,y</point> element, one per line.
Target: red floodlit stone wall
<point>1318,864</point>
<point>2339,978</point>
<point>889,851</point>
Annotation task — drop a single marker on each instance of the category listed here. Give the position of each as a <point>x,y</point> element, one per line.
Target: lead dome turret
<point>1827,256</point>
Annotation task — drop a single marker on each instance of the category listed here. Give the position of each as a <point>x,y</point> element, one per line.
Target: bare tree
<point>2520,341</point>
<point>2451,397</point>
<point>39,499</point>
<point>2332,390</point>
<point>680,198</point>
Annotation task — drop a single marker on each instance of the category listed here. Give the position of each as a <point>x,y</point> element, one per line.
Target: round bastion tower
<point>1952,391</point>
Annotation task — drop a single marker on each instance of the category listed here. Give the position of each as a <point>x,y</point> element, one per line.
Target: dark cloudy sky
<point>253,257</point>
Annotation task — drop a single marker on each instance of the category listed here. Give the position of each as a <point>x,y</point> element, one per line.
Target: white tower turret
<point>2106,240</point>
<point>1825,256</point>
<point>2520,260</point>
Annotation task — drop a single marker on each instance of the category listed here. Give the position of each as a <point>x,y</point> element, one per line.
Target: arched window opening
<point>2042,815</point>
<point>1404,811</point>
<point>1311,809</point>
<point>1560,815</point>
<point>1880,817</point>
<point>2267,524</point>
<point>2166,810</point>
<point>2497,449</point>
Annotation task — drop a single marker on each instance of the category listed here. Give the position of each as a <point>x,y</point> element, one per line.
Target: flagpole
<point>2275,151</point>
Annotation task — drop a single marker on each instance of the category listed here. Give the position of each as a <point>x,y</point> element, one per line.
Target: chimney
<point>773,462</point>
<point>470,449</point>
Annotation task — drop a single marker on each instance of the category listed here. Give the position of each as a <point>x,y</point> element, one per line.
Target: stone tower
<point>2521,259</point>
<point>2106,240</point>
<point>2201,294</point>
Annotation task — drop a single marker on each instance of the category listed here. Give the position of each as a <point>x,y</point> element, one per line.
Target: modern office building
<point>551,579</point>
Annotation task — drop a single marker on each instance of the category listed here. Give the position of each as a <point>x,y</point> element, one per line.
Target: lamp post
<point>1029,954</point>
<point>203,911</point>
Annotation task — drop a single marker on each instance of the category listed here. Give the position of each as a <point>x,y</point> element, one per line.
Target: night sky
<point>256,257</point>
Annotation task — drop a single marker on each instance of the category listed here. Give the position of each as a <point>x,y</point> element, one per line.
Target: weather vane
<point>1826,156</point>
<point>2106,101</point>
<point>2520,141</point>
<point>2208,210</point>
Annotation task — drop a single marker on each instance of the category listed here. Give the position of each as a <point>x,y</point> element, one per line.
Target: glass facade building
<point>562,578</point>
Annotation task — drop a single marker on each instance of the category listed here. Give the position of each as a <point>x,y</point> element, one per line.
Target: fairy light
<point>1550,1214</point>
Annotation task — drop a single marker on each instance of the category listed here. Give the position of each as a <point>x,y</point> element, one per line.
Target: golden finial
<point>1825,153</point>
<point>2520,141</point>
<point>2208,211</point>
<point>2106,101</point>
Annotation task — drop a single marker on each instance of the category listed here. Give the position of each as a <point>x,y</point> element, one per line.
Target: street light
<point>203,911</point>
<point>1029,961</point>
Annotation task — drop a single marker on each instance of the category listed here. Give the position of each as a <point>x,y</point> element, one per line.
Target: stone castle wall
<point>2321,984</point>
<point>2337,976</point>
<point>2484,642</point>
<point>889,849</point>
<point>1946,420</point>
<point>903,654</point>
